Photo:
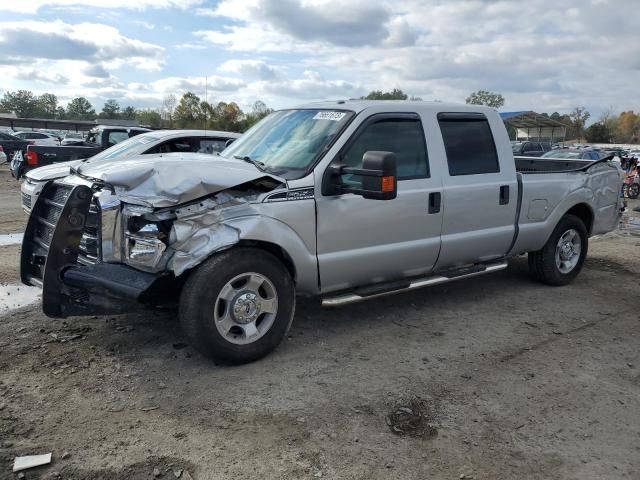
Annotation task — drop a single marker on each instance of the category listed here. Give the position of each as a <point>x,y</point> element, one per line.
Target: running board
<point>396,287</point>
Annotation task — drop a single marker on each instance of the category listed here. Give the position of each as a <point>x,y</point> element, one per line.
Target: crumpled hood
<point>165,180</point>
<point>53,171</point>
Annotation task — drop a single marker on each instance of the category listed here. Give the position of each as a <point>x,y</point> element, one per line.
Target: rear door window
<point>469,144</point>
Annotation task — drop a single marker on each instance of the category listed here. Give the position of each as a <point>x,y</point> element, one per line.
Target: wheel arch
<point>585,213</point>
<point>275,250</point>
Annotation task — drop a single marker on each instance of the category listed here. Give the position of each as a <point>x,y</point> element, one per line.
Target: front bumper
<point>54,257</point>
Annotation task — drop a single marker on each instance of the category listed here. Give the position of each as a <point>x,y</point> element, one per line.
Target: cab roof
<point>358,106</point>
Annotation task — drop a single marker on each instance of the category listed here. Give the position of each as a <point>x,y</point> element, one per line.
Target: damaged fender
<point>217,224</point>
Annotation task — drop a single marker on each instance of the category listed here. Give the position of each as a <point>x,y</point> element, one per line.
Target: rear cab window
<point>116,136</point>
<point>469,144</point>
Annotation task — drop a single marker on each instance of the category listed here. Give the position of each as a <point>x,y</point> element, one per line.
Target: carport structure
<point>529,125</point>
<point>10,120</point>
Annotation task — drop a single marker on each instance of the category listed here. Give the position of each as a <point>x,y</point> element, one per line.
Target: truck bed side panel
<point>547,197</point>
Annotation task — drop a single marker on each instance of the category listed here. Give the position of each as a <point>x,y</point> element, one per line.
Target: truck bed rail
<point>554,165</point>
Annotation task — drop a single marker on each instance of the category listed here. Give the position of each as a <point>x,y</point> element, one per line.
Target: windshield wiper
<point>246,158</point>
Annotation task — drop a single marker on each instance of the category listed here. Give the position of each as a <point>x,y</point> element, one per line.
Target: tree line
<point>193,112</point>
<point>188,112</point>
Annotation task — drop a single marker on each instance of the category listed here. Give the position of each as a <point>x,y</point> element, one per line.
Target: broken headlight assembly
<point>145,238</point>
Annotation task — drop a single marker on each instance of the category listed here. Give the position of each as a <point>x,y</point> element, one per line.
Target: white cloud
<point>537,55</point>
<point>251,69</point>
<point>92,42</point>
<point>32,6</point>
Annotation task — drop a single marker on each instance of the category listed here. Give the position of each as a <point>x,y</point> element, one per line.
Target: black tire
<point>199,298</point>
<point>542,264</point>
<point>633,191</point>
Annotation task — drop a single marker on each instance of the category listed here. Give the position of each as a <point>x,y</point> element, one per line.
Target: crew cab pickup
<point>345,201</point>
<point>98,139</point>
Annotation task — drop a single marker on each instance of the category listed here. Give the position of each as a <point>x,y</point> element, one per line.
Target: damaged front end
<point>93,251</point>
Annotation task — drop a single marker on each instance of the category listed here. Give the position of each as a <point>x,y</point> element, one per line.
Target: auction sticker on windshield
<point>335,116</point>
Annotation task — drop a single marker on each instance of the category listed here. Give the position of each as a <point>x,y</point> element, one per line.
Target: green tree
<point>111,109</point>
<point>80,109</point>
<point>227,117</point>
<point>188,112</point>
<point>61,114</point>
<point>395,94</point>
<point>47,105</point>
<point>149,117</point>
<point>484,97</point>
<point>597,133</point>
<point>129,113</point>
<point>23,102</point>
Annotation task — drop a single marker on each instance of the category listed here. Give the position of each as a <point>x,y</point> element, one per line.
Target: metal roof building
<point>529,125</point>
<point>10,120</point>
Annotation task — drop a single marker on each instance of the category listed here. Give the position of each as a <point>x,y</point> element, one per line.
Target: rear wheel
<point>238,305</point>
<point>633,191</point>
<point>562,257</point>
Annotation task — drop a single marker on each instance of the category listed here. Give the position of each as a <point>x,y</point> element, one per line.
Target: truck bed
<point>550,165</point>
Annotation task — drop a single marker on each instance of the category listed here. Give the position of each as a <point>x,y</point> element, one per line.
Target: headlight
<point>144,248</point>
<point>145,237</point>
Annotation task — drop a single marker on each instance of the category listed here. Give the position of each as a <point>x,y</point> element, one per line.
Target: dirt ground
<point>495,377</point>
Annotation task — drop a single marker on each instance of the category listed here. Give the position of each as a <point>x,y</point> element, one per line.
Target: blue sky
<point>539,54</point>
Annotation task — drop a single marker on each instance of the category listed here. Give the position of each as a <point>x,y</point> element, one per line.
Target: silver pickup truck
<point>342,200</point>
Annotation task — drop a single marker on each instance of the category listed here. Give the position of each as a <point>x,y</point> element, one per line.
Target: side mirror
<point>378,172</point>
<point>229,142</point>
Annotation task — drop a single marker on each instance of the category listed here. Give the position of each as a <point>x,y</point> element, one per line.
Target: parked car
<point>573,154</point>
<point>72,139</point>
<point>530,149</point>
<point>159,141</point>
<point>345,201</point>
<point>10,144</point>
<point>99,138</point>
<point>39,138</point>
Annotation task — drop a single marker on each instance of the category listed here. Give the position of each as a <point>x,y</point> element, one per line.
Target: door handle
<point>504,194</point>
<point>435,199</point>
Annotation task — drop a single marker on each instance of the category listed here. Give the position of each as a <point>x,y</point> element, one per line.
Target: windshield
<point>287,142</point>
<point>516,147</point>
<point>562,154</point>
<point>127,148</point>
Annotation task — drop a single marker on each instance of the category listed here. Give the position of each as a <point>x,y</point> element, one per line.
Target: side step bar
<point>387,289</point>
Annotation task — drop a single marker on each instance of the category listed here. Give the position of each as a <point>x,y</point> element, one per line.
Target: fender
<point>266,229</point>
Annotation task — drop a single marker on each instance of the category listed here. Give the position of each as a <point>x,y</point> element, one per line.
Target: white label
<point>335,116</point>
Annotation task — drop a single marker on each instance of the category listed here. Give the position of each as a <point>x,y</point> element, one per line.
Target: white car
<point>158,141</point>
<point>38,138</point>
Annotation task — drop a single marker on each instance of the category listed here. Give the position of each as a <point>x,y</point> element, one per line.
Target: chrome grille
<point>26,201</point>
<point>89,243</point>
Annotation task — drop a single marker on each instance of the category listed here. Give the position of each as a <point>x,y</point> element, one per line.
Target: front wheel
<point>562,257</point>
<point>238,305</point>
<point>633,190</point>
